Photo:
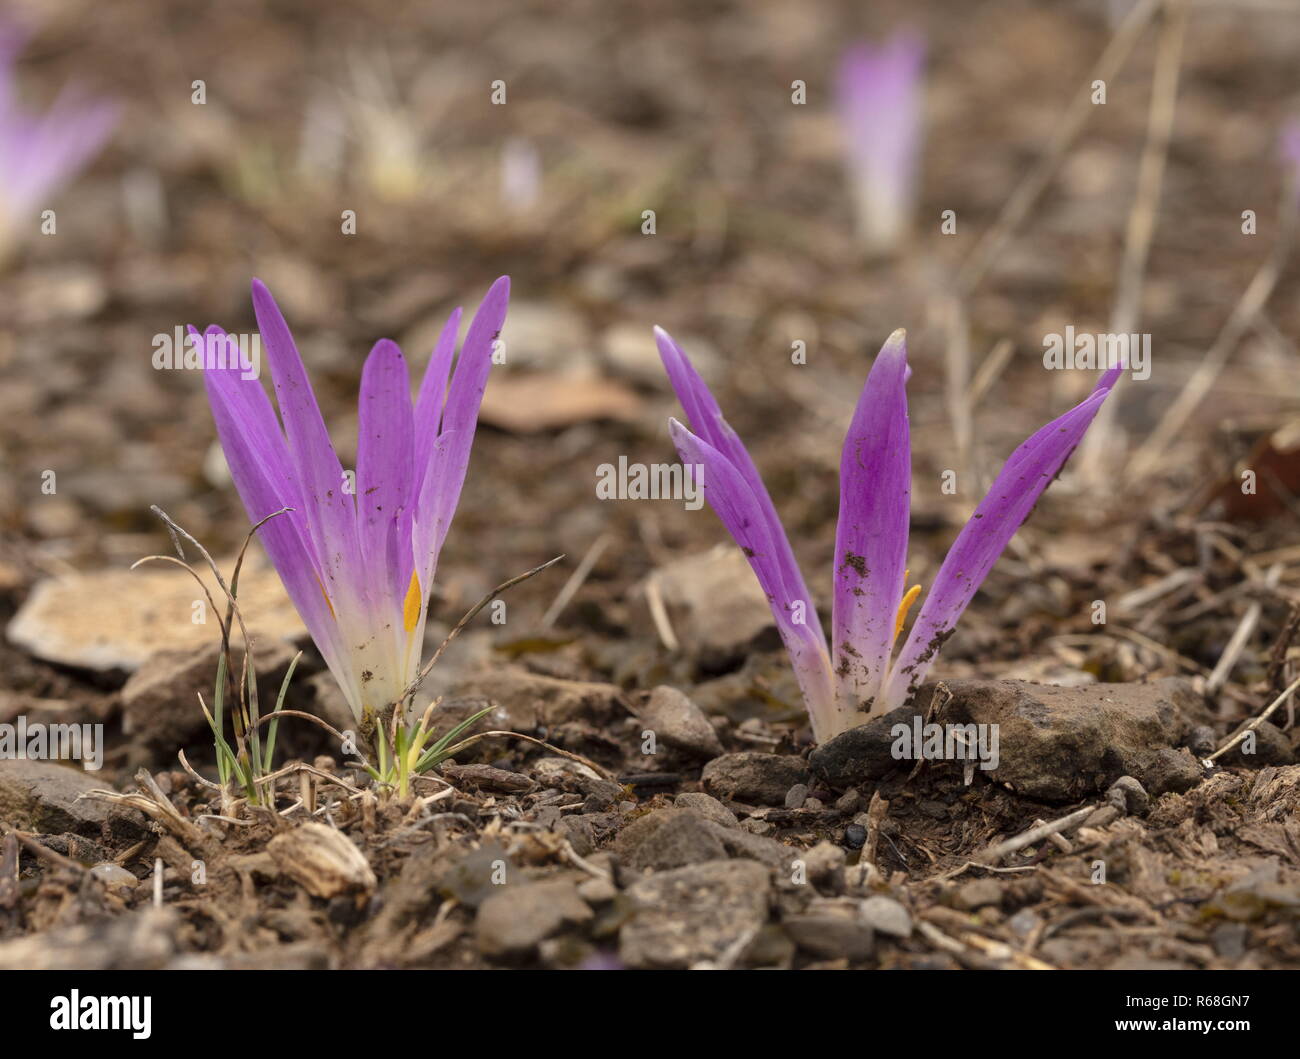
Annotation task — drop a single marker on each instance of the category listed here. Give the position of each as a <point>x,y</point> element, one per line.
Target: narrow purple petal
<point>736,505</point>
<point>1012,497</point>
<point>705,418</point>
<point>464,396</point>
<point>258,462</point>
<point>871,539</point>
<point>386,484</point>
<point>433,392</point>
<point>331,513</point>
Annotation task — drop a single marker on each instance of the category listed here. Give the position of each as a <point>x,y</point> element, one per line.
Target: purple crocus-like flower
<point>356,555</point>
<point>856,675</point>
<point>38,155</point>
<point>879,98</point>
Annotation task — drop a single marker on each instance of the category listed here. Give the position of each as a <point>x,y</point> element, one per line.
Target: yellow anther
<point>321,586</point>
<point>909,597</point>
<point>414,605</point>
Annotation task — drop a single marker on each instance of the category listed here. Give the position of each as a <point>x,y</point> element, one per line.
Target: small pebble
<point>796,796</point>
<point>855,836</point>
<point>114,875</point>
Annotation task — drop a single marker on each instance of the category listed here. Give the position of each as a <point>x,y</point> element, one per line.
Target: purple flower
<point>856,675</point>
<point>1289,147</point>
<point>356,555</point>
<point>879,98</point>
<point>39,154</point>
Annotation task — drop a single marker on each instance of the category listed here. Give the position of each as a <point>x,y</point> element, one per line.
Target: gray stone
<point>707,806</point>
<point>885,916</point>
<point>1060,744</point>
<point>978,893</point>
<point>716,606</point>
<point>114,620</point>
<point>1127,795</point>
<point>695,913</point>
<point>863,755</point>
<point>824,864</point>
<point>160,702</point>
<point>754,777</point>
<point>512,923</point>
<point>796,796</point>
<point>677,721</point>
<point>669,838</point>
<point>831,936</point>
<point>1271,746</point>
<point>42,796</point>
<point>525,701</point>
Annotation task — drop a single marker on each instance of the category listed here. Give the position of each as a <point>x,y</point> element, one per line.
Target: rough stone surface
<point>978,893</point>
<point>1128,796</point>
<point>1271,747</point>
<point>510,924</point>
<point>707,806</point>
<point>677,721</point>
<point>115,619</point>
<point>718,610</point>
<point>830,936</point>
<point>862,755</point>
<point>42,796</point>
<point>668,838</point>
<point>754,777</point>
<point>526,701</point>
<point>695,913</point>
<point>885,916</point>
<point>160,705</point>
<point>1060,744</point>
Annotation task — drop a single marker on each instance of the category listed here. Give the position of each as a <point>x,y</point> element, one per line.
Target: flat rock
<point>694,913</point>
<point>717,608</point>
<point>512,923</point>
<point>525,701</point>
<point>41,796</point>
<point>668,838</point>
<point>160,705</point>
<point>885,916</point>
<point>830,936</point>
<point>1061,743</point>
<point>115,619</point>
<point>678,722</point>
<point>707,806</point>
<point>754,777</point>
<point>864,754</point>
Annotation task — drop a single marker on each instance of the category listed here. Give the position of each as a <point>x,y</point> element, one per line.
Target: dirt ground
<point>699,853</point>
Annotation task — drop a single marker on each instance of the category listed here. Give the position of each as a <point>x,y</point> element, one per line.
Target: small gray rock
<point>41,796</point>
<point>796,796</point>
<point>695,913</point>
<point>669,838</point>
<point>831,937</point>
<point>1127,795</point>
<point>707,806</point>
<point>754,777</point>
<point>1060,744</point>
<point>978,893</point>
<point>677,721</point>
<point>863,755</point>
<point>512,923</point>
<point>885,916</point>
<point>1270,745</point>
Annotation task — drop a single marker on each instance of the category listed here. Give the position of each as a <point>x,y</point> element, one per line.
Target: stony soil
<point>678,814</point>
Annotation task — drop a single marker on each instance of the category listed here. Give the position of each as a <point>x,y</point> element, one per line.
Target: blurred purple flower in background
<point>852,679</point>
<point>357,555</point>
<point>1289,147</point>
<point>40,154</point>
<point>879,96</point>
